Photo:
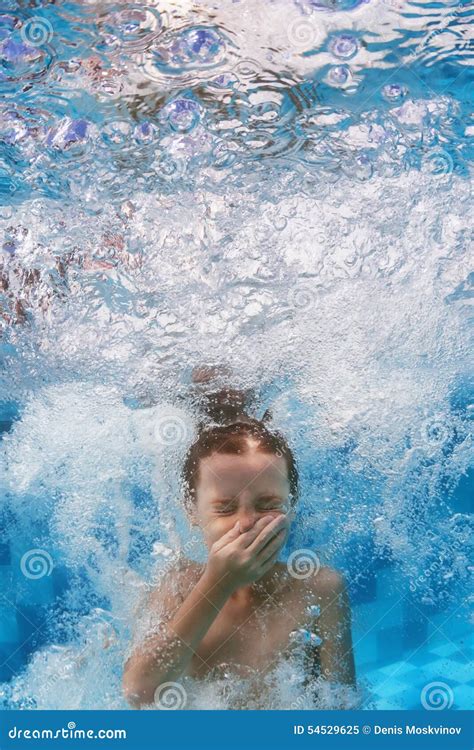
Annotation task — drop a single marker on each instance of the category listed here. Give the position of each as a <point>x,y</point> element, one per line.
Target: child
<point>239,608</point>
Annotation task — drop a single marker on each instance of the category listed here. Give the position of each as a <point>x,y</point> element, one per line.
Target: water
<point>284,187</point>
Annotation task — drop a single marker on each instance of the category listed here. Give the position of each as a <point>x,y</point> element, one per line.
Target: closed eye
<point>225,507</point>
<point>271,502</point>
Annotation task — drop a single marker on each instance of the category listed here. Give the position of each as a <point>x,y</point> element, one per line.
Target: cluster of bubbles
<point>220,111</point>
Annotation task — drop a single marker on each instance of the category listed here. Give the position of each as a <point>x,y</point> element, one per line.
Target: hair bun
<point>217,400</point>
<point>227,405</point>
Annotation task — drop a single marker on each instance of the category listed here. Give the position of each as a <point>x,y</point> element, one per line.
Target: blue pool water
<point>281,186</point>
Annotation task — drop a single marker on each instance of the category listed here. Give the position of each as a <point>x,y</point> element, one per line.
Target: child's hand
<point>238,559</point>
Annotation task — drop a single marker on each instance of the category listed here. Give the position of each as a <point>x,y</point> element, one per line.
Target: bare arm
<point>235,559</point>
<point>337,660</point>
<point>333,658</point>
<point>164,655</point>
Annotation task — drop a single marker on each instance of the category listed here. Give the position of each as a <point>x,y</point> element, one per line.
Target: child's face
<point>239,487</point>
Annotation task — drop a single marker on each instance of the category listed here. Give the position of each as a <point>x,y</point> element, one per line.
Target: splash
<point>269,196</point>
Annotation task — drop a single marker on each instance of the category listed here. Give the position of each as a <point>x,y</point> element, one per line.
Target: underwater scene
<point>245,196</point>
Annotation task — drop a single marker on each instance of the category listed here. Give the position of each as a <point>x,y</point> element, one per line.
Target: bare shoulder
<point>326,584</point>
<point>174,582</point>
<point>329,581</point>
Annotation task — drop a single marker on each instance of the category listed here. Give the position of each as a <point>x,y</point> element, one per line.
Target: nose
<point>247,519</point>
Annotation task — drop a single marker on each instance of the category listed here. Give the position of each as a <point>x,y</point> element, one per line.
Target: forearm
<point>165,655</point>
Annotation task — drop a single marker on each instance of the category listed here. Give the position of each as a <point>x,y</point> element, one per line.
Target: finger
<point>248,536</point>
<point>276,543</point>
<point>269,563</point>
<point>261,527</point>
<point>266,534</point>
<point>228,537</point>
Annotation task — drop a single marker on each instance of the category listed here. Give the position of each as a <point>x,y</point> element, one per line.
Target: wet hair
<point>229,432</point>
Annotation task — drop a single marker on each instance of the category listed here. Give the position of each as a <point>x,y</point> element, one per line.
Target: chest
<point>250,638</point>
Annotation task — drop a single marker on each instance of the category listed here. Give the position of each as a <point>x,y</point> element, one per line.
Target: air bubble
<point>13,127</point>
<point>145,132</point>
<point>344,46</point>
<point>280,222</point>
<point>182,114</point>
<point>339,75</point>
<point>303,636</point>
<point>202,44</point>
<point>394,92</point>
<point>116,134</point>
<point>68,133</point>
<point>134,27</point>
<point>191,48</point>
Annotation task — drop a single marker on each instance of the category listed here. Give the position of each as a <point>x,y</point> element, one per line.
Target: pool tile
<point>6,581</point>
<point>361,570</point>
<point>455,628</point>
<point>400,668</point>
<point>386,704</point>
<point>464,697</point>
<point>411,698</point>
<point>5,557</point>
<point>447,670</point>
<point>386,614</point>
<point>414,633</point>
<point>366,652</point>
<point>387,588</point>
<point>11,660</point>
<point>8,623</point>
<point>390,688</point>
<point>446,649</point>
<point>389,644</point>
